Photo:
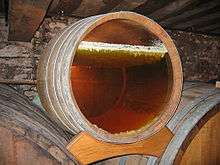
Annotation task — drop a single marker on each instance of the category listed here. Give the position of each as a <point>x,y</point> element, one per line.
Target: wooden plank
<point>189,13</point>
<point>89,8</point>
<point>170,8</point>
<point>129,160</point>
<point>25,17</point>
<point>150,6</point>
<point>128,5</point>
<point>2,8</point>
<point>88,150</point>
<point>216,31</point>
<point>209,27</point>
<point>202,20</point>
<point>218,84</point>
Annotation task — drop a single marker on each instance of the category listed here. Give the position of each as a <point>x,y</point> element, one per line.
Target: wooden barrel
<point>115,104</point>
<point>27,135</point>
<point>196,129</point>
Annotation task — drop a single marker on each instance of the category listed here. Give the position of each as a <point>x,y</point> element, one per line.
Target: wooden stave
<point>211,95</point>
<point>66,117</point>
<point>186,104</point>
<point>202,142</point>
<point>130,160</point>
<point>181,140</point>
<point>203,111</point>
<point>31,127</point>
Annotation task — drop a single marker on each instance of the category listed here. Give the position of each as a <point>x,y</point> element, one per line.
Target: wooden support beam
<point>216,31</point>
<point>65,7</point>
<point>128,5</point>
<point>197,21</point>
<point>25,17</point>
<point>209,27</point>
<point>150,6</point>
<point>170,8</point>
<point>217,84</point>
<point>89,8</point>
<point>205,24</point>
<point>189,13</point>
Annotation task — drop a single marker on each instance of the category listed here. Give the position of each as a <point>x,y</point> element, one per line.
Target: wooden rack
<point>88,150</point>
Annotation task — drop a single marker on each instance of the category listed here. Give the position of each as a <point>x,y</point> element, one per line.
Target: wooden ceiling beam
<point>197,21</point>
<point>216,31</point>
<point>24,17</point>
<point>189,13</point>
<point>93,7</point>
<point>210,27</point>
<point>128,5</point>
<point>151,5</point>
<point>170,8</point>
<point>65,7</point>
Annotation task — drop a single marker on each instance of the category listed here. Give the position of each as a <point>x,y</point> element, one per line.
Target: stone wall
<point>200,55</point>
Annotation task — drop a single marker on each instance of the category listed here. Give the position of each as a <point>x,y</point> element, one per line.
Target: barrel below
<point>205,147</point>
<point>27,136</point>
